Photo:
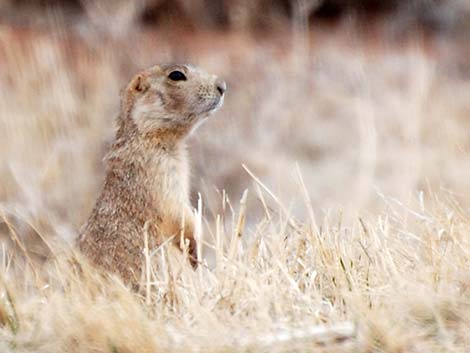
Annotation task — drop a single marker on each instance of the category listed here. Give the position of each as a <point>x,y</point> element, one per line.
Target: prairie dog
<point>147,177</point>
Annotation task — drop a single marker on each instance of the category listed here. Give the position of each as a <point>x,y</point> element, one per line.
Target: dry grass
<point>397,282</point>
<point>349,239</point>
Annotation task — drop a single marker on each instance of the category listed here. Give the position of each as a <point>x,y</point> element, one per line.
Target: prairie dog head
<point>172,98</point>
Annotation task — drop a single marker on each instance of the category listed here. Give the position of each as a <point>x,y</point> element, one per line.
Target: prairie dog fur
<point>147,178</point>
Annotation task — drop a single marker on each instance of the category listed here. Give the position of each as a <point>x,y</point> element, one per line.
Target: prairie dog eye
<point>177,76</point>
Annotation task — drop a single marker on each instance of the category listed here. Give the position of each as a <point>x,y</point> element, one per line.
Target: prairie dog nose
<point>221,87</point>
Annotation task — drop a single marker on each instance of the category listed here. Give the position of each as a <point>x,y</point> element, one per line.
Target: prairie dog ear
<point>139,84</point>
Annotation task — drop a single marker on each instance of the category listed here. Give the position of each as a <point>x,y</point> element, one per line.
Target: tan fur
<point>147,180</point>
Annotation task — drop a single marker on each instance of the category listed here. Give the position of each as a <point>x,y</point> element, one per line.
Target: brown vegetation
<point>354,146</point>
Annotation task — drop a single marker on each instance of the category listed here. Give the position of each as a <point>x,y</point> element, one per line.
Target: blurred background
<point>368,100</point>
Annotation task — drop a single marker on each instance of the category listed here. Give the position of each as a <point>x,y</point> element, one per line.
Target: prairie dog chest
<point>168,172</point>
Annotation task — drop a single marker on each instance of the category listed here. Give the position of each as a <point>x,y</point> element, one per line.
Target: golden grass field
<point>353,234</point>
